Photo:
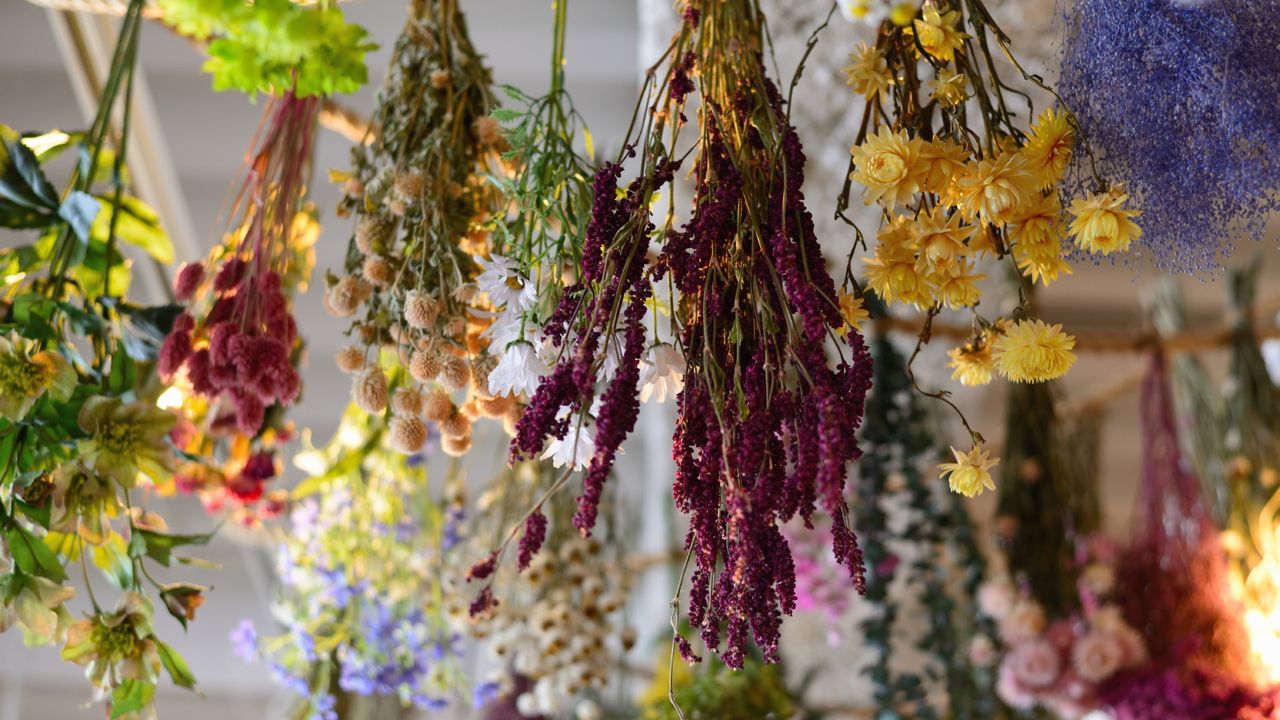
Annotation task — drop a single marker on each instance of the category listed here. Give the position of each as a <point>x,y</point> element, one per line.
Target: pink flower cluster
<point>241,352</point>
<point>820,585</point>
<point>1059,664</point>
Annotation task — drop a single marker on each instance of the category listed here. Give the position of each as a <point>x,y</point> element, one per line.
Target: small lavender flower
<point>244,641</point>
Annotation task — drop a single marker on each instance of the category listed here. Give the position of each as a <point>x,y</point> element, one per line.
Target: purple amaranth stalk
<point>766,420</point>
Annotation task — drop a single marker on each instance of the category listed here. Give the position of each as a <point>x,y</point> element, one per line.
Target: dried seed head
<point>486,129</point>
<point>438,406</point>
<point>408,434</point>
<point>349,359</point>
<point>370,390</point>
<point>455,373</point>
<point>420,310</point>
<point>372,233</point>
<point>439,79</point>
<point>409,186</point>
<point>408,401</point>
<point>423,366</point>
<point>455,426</point>
<point>456,446</point>
<point>345,296</point>
<point>377,271</point>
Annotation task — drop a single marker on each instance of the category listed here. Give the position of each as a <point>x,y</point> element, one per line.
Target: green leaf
<point>159,546</point>
<point>79,211</point>
<point>131,696</point>
<point>124,374</point>
<point>176,666</point>
<point>145,328</point>
<point>47,146</point>
<point>22,181</point>
<point>138,225</point>
<point>31,555</point>
<point>39,514</point>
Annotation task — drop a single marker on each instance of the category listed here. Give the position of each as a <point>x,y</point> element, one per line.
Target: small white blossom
<point>661,373</point>
<point>613,349</point>
<point>503,283</point>
<point>519,371</point>
<point>576,448</point>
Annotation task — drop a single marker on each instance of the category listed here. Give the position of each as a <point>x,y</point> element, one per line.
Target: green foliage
<point>716,692</point>
<point>275,46</point>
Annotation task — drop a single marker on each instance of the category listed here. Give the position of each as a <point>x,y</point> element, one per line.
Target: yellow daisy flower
<point>1101,223</point>
<point>868,74</point>
<point>994,190</point>
<point>1048,150</point>
<point>888,165</point>
<point>948,88</point>
<point>956,286</point>
<point>1033,351</point>
<point>1045,268</point>
<point>940,239</point>
<point>892,272</point>
<point>853,310</point>
<point>941,161</point>
<point>971,363</point>
<point>970,474</point>
<point>936,32</point>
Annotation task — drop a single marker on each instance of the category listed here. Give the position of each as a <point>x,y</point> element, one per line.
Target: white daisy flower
<point>613,349</point>
<point>869,12</point>
<point>503,283</point>
<point>518,371</point>
<point>576,448</point>
<point>661,373</point>
<point>507,327</point>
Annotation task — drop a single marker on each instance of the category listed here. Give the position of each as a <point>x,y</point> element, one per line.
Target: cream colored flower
<point>887,165</point>
<point>970,474</point>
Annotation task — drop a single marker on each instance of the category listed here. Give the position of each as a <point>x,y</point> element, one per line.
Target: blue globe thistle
<point>1179,101</point>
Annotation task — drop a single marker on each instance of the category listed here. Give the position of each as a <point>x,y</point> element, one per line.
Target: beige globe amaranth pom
<point>377,271</point>
<point>481,367</point>
<point>420,310</point>
<point>349,359</point>
<point>456,446</point>
<point>344,298</point>
<point>408,434</point>
<point>486,130</point>
<point>423,366</point>
<point>469,410</point>
<point>456,425</point>
<point>495,406</point>
<point>408,401</point>
<point>373,232</point>
<point>370,390</point>
<point>410,186</point>
<point>438,405</point>
<point>455,373</point>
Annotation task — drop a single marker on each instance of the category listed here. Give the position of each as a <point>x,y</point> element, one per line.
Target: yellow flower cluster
<point>958,202</point>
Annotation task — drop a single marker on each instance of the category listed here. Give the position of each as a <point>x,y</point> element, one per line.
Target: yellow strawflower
<point>892,272</point>
<point>956,286</point>
<point>940,240</point>
<point>888,165</point>
<point>971,363</point>
<point>936,32</point>
<point>1033,351</point>
<point>867,72</point>
<point>948,88</point>
<point>1037,240</point>
<point>853,310</point>
<point>1101,223</point>
<point>994,190</point>
<point>1048,150</point>
<point>970,474</point>
<point>941,161</point>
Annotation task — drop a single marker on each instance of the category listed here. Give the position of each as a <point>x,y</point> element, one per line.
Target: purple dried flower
<point>535,532</point>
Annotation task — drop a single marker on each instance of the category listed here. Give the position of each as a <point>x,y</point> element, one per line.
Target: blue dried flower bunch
<point>1179,99</point>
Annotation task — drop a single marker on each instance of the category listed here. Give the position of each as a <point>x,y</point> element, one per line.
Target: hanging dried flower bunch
<point>83,444</point>
<point>559,622</point>
<point>423,202</point>
<point>236,347</point>
<point>361,599</point>
<point>958,182</point>
<point>766,417</point>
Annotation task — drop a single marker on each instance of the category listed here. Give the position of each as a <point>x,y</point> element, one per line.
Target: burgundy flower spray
<point>767,415</point>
